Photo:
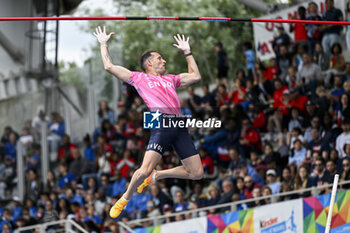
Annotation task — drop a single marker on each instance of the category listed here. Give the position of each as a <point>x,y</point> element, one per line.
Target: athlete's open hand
<point>182,43</point>
<point>102,36</point>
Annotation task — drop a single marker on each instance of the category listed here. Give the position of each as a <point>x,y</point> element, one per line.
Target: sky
<point>73,43</point>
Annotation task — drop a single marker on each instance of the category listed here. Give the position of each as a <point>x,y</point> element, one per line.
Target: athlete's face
<point>158,63</point>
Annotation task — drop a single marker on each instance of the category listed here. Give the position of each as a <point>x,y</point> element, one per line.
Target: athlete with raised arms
<point>159,93</point>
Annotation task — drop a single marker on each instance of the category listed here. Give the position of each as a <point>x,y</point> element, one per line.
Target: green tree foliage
<point>70,73</point>
<point>135,37</point>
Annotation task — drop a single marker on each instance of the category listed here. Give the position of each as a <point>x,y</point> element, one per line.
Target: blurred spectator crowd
<point>286,126</point>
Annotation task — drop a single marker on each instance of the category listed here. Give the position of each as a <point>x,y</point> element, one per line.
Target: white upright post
<point>331,205</point>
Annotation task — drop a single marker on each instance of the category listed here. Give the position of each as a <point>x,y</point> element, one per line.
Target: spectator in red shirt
<point>238,92</point>
<point>102,147</point>
<point>126,163</point>
<point>297,100</point>
<point>259,120</point>
<point>249,185</point>
<point>280,102</point>
<point>207,162</point>
<point>271,71</point>
<point>65,152</point>
<point>250,138</point>
<point>300,33</point>
<point>222,96</point>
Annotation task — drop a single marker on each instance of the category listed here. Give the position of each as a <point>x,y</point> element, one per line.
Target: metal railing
<point>232,205</point>
<point>69,226</point>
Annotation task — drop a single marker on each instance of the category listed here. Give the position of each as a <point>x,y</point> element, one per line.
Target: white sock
<point>154,176</point>
<point>124,198</point>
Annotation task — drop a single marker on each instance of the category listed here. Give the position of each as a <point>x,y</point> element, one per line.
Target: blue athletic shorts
<point>178,138</point>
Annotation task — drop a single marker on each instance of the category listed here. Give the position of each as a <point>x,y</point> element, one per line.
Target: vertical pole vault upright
<point>331,205</point>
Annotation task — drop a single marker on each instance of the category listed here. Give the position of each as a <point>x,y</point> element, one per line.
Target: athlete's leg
<point>191,169</point>
<point>149,162</point>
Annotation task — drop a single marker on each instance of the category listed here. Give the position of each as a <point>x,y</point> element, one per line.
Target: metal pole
<point>44,152</point>
<point>91,109</point>
<point>67,117</point>
<point>20,171</point>
<point>330,212</point>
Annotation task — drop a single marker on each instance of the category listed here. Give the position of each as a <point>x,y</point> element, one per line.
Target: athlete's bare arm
<point>118,71</point>
<point>193,75</point>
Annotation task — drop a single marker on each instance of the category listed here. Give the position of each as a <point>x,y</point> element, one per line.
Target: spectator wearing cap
<point>331,32</point>
<point>79,195</point>
<point>297,154</point>
<point>281,39</point>
<point>343,138</point>
<point>167,210</point>
<point>272,182</point>
<point>17,208</point>
<point>309,74</point>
